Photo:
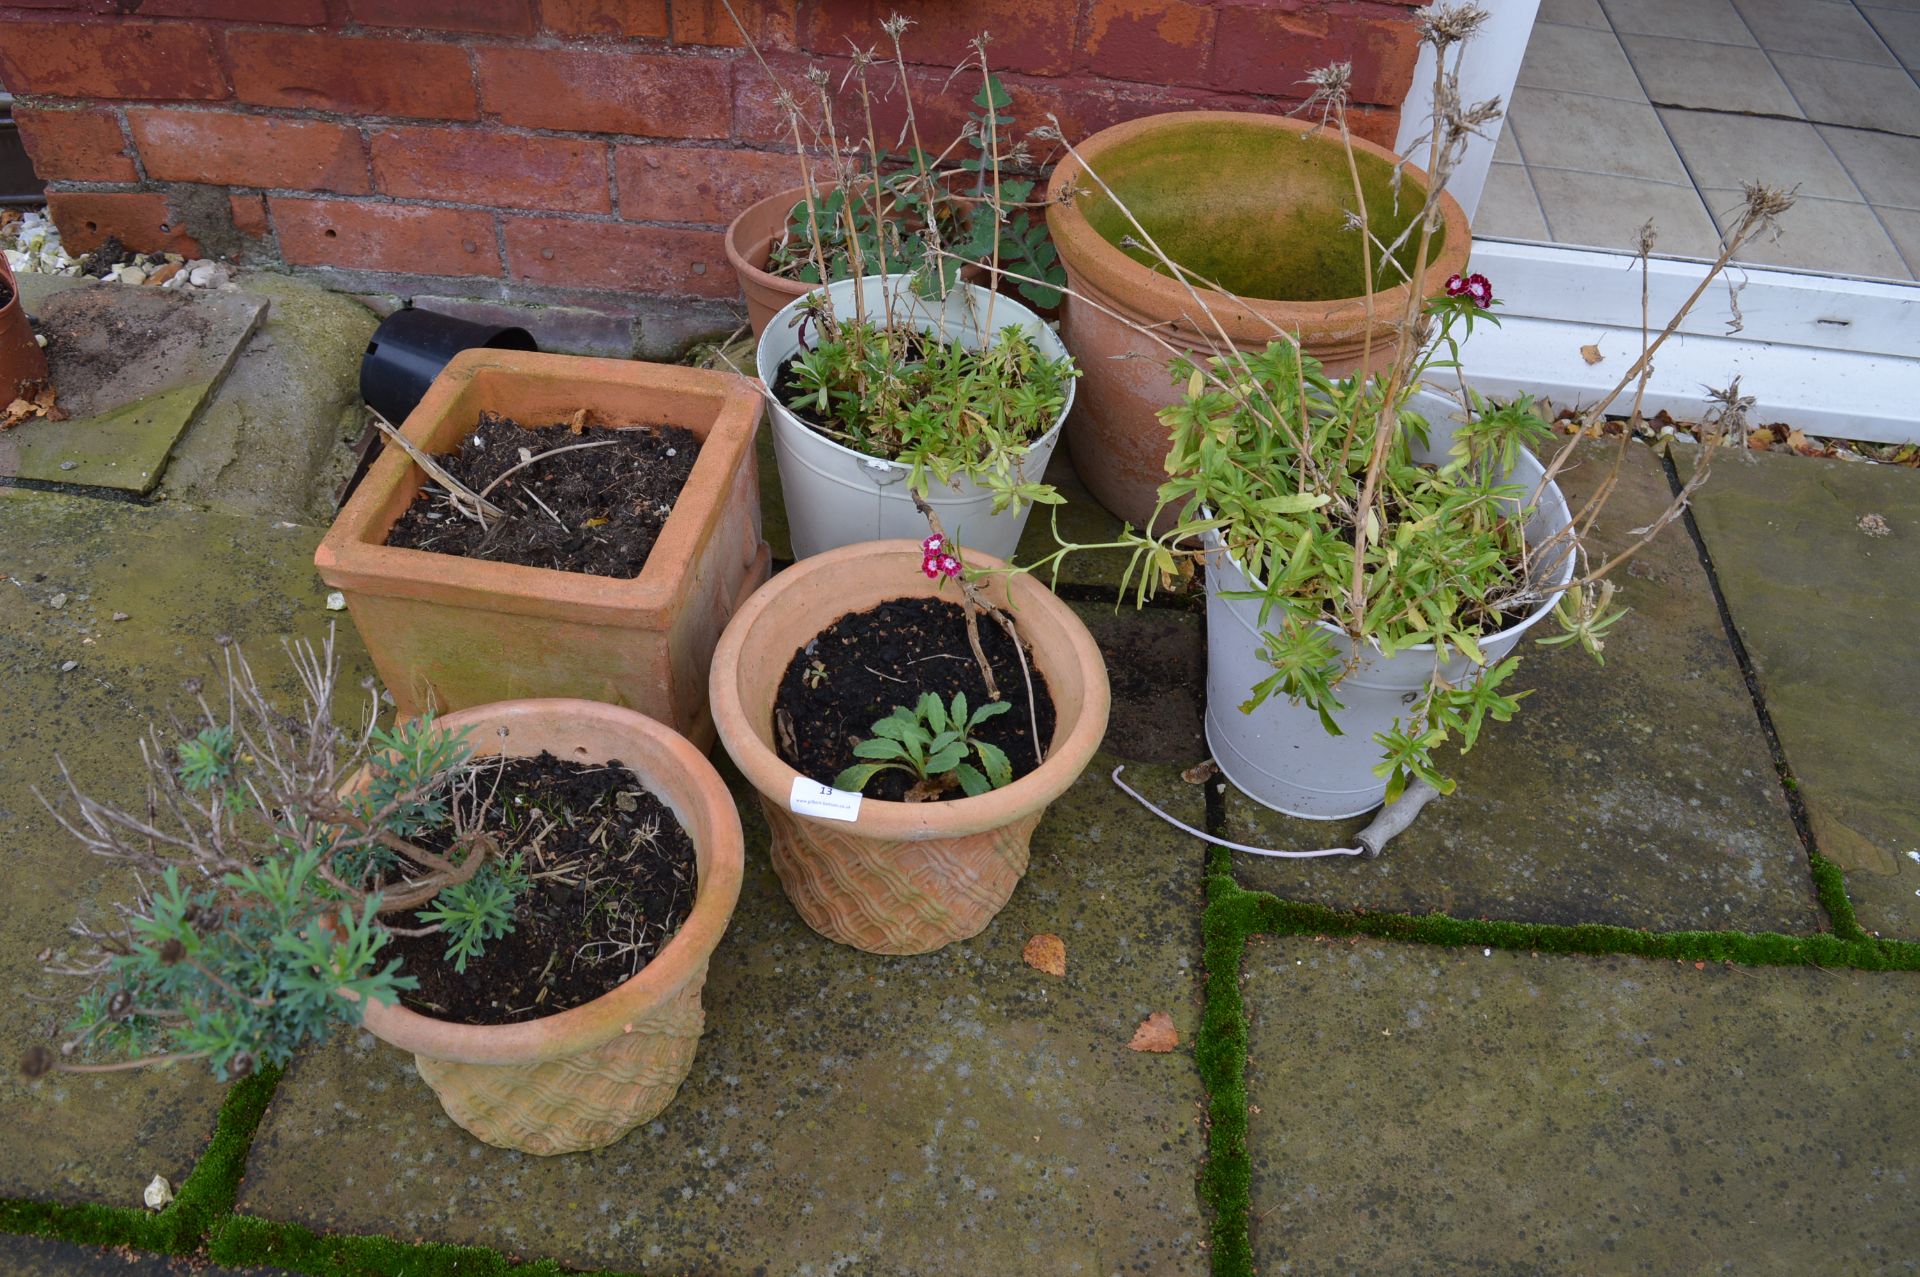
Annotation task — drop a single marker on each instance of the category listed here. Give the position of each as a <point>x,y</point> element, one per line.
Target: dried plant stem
<point>551,452</point>
<point>472,504</point>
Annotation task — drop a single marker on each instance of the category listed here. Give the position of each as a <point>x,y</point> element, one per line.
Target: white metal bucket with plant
<point>1374,552</point>
<point>972,432</point>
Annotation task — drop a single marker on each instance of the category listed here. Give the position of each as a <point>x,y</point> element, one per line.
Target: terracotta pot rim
<point>354,552</point>
<point>693,783</point>
<point>1151,297</point>
<point>1073,748</point>
<point>743,257</point>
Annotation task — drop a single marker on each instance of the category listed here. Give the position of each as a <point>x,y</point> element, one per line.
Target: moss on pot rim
<point>1258,211</point>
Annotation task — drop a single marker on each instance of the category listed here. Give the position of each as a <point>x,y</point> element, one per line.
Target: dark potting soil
<point>863,665</point>
<point>612,878</point>
<point>608,503</point>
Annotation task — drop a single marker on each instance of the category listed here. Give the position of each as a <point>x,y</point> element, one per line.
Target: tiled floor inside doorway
<point>1630,109</point>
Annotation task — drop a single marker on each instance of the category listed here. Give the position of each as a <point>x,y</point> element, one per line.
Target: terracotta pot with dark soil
<point>615,566</point>
<point>1254,203</point>
<point>583,1076</point>
<point>824,650</point>
<point>23,365</point>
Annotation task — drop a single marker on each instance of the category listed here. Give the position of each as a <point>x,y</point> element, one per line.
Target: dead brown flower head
<point>1449,24</point>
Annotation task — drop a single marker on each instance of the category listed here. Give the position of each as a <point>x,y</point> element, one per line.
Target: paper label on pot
<point>811,798</point>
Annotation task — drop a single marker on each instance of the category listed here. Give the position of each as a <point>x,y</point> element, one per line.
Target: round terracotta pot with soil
<point>582,1078</point>
<point>1257,204</point>
<point>23,365</point>
<point>900,877</point>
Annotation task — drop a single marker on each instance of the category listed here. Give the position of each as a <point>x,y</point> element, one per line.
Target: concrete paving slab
<point>272,441</point>
<point>1825,599</point>
<point>1640,792</point>
<point>1422,1110</point>
<point>954,1113</point>
<point>132,365</point>
<point>67,565</point>
<point>44,1257</point>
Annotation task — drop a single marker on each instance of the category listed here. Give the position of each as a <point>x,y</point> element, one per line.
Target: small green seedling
<point>931,742</point>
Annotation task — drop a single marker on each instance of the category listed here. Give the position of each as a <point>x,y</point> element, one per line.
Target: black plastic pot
<point>410,348</point>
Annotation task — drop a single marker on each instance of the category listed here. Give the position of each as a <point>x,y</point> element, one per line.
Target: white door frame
<point>1829,354</point>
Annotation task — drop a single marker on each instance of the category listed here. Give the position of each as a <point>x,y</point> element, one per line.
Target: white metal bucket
<point>1280,755</point>
<point>836,496</point>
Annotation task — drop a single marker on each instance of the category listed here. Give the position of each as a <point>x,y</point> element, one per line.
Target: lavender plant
<point>269,881</point>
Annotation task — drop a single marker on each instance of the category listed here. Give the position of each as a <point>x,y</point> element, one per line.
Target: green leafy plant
<point>943,409</point>
<point>931,742</point>
<point>268,879</point>
<point>1323,491</point>
<point>478,910</point>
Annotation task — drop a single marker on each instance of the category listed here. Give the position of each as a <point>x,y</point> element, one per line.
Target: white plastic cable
<point>1393,818</point>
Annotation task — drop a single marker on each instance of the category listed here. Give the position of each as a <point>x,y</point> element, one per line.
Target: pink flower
<point>1473,286</point>
<point>949,566</point>
<point>931,566</point>
<point>932,545</point>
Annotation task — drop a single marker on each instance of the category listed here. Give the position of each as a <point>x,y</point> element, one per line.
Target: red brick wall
<point>568,149</point>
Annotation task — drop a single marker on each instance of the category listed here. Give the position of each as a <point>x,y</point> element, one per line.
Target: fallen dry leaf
<point>1591,353</point>
<point>577,423</point>
<point>1156,1034</point>
<point>43,403</point>
<point>1200,773</point>
<point>1046,952</point>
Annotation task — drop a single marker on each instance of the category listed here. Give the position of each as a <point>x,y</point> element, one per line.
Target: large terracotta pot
<point>583,1078</point>
<point>447,632</point>
<point>23,365</point>
<point>903,877</point>
<point>1254,203</point>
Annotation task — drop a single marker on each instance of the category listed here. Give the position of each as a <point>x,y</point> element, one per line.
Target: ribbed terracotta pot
<point>23,365</point>
<point>1255,203</point>
<point>583,1078</point>
<point>447,632</point>
<point>903,877</point>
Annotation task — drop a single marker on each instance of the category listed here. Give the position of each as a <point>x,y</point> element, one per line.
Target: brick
<point>1260,50</point>
<point>694,184</point>
<point>1384,53</point>
<point>1027,36</point>
<point>299,13</point>
<point>511,170</point>
<point>226,149</point>
<point>643,19</point>
<point>141,220</point>
<point>77,146</point>
<point>618,255</point>
<point>358,235</point>
<point>941,104</point>
<point>492,17</point>
<point>649,95</point>
<point>1159,41</point>
<point>353,75</point>
<point>150,61</point>
<point>250,215</point>
<point>771,23</point>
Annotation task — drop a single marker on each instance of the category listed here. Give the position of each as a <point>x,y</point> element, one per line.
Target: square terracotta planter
<point>449,633</point>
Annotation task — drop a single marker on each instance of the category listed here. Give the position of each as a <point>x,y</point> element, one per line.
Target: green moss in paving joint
<point>1220,1052</point>
<point>242,1239</point>
<point>206,1195</point>
<point>1830,885</point>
